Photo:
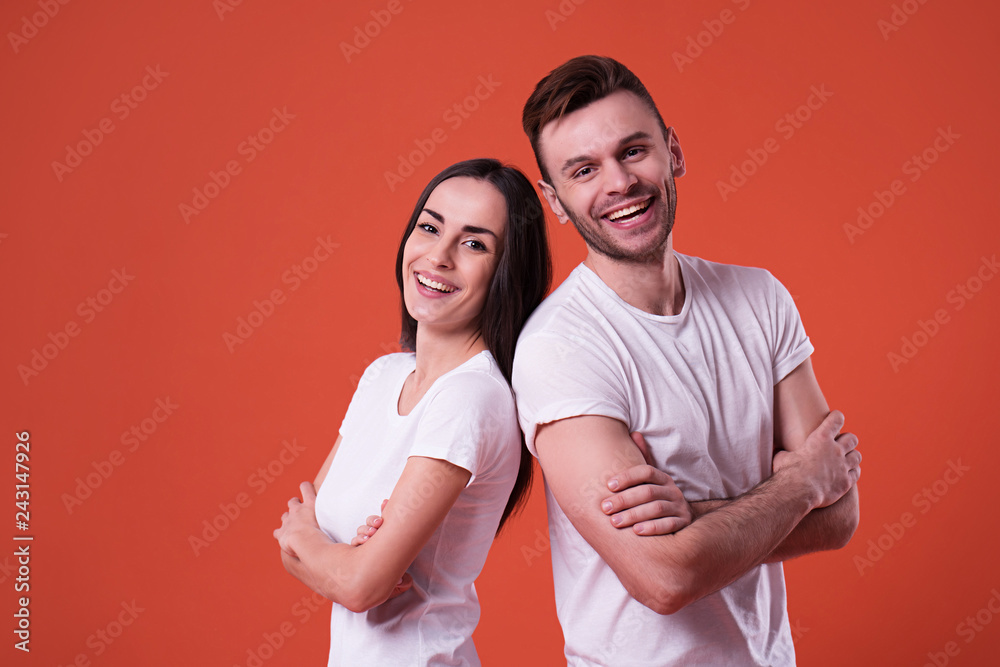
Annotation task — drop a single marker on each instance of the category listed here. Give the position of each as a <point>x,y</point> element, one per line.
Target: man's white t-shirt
<point>467,418</point>
<point>700,387</point>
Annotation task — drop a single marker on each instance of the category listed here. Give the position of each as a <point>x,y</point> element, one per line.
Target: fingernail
<point>616,519</point>
<point>606,506</point>
<point>613,484</point>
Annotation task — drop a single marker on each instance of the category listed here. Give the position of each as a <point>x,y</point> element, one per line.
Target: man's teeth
<point>433,284</point>
<point>629,211</point>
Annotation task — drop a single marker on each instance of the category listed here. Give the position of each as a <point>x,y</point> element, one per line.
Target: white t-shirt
<point>467,417</point>
<point>699,387</point>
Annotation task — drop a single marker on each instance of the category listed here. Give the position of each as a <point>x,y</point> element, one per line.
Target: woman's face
<point>451,255</point>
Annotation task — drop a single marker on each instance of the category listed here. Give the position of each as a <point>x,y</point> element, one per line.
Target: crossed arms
<point>809,504</point>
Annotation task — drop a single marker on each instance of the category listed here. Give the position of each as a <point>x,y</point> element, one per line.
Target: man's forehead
<point>600,125</point>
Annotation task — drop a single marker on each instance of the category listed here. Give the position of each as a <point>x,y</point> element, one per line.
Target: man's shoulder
<point>570,309</point>
<point>721,274</point>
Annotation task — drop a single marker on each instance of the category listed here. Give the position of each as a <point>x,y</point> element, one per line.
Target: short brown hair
<point>573,85</point>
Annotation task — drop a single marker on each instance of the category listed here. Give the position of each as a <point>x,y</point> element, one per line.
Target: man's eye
<point>632,152</point>
<point>583,172</point>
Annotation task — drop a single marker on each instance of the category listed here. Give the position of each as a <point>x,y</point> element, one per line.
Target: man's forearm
<point>723,544</point>
<point>822,529</point>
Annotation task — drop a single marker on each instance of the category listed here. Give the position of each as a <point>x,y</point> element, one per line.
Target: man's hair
<point>521,280</point>
<point>573,85</point>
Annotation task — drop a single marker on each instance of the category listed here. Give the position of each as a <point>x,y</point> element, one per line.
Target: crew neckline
<point>591,275</point>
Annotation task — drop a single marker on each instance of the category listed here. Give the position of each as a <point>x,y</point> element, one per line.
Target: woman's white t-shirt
<point>467,418</point>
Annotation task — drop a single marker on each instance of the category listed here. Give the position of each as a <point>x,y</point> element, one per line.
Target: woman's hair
<point>522,278</point>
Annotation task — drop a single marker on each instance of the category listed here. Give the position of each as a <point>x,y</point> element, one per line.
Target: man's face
<point>612,174</point>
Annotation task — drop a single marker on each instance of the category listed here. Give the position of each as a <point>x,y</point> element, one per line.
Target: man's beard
<point>590,229</point>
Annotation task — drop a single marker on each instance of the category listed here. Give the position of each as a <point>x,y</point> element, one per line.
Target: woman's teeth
<point>434,285</point>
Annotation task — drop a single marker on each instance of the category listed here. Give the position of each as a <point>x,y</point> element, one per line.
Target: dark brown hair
<point>573,85</point>
<point>522,278</point>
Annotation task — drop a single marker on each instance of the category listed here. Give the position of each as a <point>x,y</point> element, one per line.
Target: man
<point>709,362</point>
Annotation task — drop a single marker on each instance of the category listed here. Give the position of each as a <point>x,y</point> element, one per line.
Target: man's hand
<point>828,461</point>
<point>646,498</point>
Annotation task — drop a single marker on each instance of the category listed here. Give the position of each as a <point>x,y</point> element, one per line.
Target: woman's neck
<point>438,352</point>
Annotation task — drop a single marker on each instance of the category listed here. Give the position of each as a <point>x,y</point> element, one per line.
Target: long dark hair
<point>521,281</point>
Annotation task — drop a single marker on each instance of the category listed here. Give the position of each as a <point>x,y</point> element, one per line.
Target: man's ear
<point>549,193</point>
<point>676,154</point>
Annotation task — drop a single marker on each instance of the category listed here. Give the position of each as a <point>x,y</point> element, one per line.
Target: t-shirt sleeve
<point>790,345</point>
<point>358,400</point>
<point>557,378</point>
<point>467,422</point>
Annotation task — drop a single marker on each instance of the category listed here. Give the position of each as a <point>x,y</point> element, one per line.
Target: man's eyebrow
<point>573,161</point>
<point>468,229</point>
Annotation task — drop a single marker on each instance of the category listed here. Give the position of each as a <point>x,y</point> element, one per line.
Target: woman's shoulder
<point>386,367</point>
<point>478,380</point>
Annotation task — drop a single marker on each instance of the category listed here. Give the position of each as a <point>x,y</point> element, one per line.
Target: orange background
<point>898,594</point>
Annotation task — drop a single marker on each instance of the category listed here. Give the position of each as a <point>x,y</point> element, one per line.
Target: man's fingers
<point>640,474</point>
<point>657,509</point>
<point>833,423</point>
<point>664,526</point>
<point>847,442</point>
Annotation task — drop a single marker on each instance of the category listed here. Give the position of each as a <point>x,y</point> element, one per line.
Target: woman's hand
<point>646,499</point>
<point>299,519</point>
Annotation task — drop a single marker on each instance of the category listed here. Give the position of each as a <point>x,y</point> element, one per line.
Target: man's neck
<point>655,286</point>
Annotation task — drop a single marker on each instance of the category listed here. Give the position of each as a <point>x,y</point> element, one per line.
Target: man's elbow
<point>664,595</point>
<point>847,521</point>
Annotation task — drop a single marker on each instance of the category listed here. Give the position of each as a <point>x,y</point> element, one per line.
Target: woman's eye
<point>476,245</point>
<point>427,227</point>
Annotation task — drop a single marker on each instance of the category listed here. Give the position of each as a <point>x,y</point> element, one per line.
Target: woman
<point>434,430</point>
